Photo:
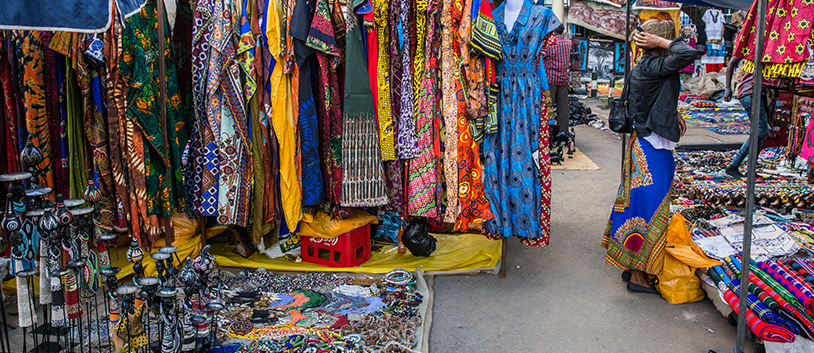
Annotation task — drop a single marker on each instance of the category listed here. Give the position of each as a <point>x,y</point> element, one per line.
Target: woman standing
<point>635,235</point>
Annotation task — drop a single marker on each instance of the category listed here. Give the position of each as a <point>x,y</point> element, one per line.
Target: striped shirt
<point>556,59</point>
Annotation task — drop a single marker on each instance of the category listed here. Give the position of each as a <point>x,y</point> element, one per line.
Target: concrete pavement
<point>564,298</point>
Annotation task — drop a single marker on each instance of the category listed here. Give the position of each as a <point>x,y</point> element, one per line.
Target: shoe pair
<point>635,288</point>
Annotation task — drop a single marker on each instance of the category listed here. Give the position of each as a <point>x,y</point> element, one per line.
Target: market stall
<point>143,150</point>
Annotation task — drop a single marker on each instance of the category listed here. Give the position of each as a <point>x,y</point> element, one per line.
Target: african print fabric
<point>636,233</point>
<point>385,116</point>
<point>789,37</point>
<point>422,186</point>
<point>139,66</point>
<point>513,180</point>
<point>364,181</point>
<point>450,108</point>
<point>30,56</point>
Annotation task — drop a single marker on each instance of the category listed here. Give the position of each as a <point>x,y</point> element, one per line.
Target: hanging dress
<point>513,181</point>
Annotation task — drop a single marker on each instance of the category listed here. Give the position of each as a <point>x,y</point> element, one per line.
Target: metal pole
<point>162,100</point>
<point>627,77</point>
<point>757,102</point>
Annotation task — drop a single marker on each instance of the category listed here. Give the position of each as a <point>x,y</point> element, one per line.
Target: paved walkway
<point>564,298</point>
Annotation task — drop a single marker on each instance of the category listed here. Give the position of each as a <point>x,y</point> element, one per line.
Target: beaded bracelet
<point>398,277</point>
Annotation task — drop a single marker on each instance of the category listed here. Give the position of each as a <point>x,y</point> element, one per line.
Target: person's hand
<point>728,96</point>
<point>682,126</point>
<point>646,40</point>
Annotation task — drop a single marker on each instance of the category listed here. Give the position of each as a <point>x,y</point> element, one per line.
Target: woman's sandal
<point>626,276</point>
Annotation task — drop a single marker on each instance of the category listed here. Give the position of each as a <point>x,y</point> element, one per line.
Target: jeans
<point>763,131</point>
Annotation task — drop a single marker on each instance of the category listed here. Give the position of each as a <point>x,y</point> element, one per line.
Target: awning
<point>87,16</point>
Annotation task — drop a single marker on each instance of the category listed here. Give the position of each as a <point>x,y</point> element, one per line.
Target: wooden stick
<point>502,272</point>
<point>169,232</point>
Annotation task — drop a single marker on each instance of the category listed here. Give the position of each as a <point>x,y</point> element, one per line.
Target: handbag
<point>619,118</point>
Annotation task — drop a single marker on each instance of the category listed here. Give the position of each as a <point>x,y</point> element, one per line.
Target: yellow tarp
<point>454,252</point>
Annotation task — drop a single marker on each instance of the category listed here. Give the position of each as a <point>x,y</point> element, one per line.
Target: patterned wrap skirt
<point>636,233</point>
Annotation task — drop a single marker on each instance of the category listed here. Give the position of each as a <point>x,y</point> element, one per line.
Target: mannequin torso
<point>512,11</point>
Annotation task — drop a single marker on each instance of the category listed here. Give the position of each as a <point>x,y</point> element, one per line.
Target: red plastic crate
<point>347,250</point>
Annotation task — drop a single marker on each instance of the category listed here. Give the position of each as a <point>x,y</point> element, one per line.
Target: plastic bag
<point>417,239</point>
<point>322,226</point>
<point>678,283</point>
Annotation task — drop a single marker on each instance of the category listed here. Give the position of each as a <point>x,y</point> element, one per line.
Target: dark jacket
<point>654,90</point>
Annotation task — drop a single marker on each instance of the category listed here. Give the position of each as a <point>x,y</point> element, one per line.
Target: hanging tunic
<point>284,121</point>
<point>364,184</point>
<point>449,80</point>
<point>385,115</point>
<point>140,65</point>
<point>29,51</point>
<point>513,182</point>
<point>422,188</point>
<point>322,38</point>
<point>313,192</point>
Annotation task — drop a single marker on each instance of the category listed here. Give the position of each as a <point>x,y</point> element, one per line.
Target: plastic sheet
<point>455,252</point>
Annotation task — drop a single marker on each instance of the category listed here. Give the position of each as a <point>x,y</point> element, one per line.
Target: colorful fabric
<point>788,38</point>
<point>450,108</point>
<point>9,109</point>
<point>140,66</point>
<point>485,32</point>
<point>636,233</point>
<point>384,113</point>
<point>406,141</point>
<point>329,107</point>
<point>788,283</point>
<point>473,204</point>
<point>30,55</point>
<point>203,191</point>
<point>764,331</point>
<point>512,179</point>
<point>364,182</point>
<point>422,185</point>
<point>725,121</point>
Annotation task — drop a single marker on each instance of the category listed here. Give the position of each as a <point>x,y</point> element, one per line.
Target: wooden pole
<point>502,272</point>
<point>162,99</point>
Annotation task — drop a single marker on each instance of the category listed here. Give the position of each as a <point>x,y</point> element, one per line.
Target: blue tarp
<point>87,16</point>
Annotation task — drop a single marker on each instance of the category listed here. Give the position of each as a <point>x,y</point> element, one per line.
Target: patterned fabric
<point>29,51</point>
<point>788,38</point>
<point>544,161</point>
<point>407,141</point>
<point>9,110</point>
<point>385,117</point>
<point>512,179</point>
<point>636,233</point>
<point>485,37</point>
<point>422,187</point>
<point>225,138</point>
<point>96,132</point>
<point>329,106</point>
<point>473,204</point>
<point>449,80</point>
<point>364,184</point>
<point>557,60</point>
<point>140,67</point>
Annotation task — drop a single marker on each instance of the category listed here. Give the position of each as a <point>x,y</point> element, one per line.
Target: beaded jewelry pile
<point>319,312</point>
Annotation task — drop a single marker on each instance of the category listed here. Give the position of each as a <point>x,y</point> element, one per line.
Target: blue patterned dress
<point>512,180</point>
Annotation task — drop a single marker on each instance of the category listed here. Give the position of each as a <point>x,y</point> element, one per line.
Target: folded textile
<point>762,330</point>
<point>789,284</point>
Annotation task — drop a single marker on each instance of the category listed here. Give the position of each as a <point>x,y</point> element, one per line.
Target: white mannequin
<point>511,12</point>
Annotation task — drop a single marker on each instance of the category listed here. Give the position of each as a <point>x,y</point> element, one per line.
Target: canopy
<point>88,16</point>
<point>726,4</point>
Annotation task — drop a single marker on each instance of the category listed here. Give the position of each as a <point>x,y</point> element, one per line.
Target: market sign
<point>88,16</point>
